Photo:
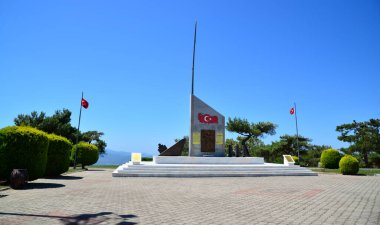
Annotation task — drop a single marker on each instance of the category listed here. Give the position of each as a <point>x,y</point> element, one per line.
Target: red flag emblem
<point>292,111</point>
<point>206,118</point>
<point>84,103</point>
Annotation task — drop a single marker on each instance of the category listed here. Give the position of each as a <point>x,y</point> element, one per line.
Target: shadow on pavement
<point>94,218</point>
<point>64,178</point>
<point>42,186</point>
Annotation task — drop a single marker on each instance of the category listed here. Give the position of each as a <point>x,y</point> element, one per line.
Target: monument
<point>206,130</point>
<point>206,151</point>
<point>206,124</point>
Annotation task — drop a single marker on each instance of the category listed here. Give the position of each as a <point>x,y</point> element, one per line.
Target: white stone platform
<point>201,168</point>
<point>206,160</point>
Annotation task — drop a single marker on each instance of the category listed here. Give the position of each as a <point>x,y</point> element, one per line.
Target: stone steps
<point>186,170</point>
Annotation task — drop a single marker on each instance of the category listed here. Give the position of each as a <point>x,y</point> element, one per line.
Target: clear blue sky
<point>133,61</point>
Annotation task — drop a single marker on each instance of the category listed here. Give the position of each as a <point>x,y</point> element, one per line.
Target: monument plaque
<point>207,140</point>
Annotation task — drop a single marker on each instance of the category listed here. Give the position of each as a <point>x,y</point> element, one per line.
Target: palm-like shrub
<point>330,158</point>
<point>23,148</point>
<point>58,155</point>
<point>349,165</point>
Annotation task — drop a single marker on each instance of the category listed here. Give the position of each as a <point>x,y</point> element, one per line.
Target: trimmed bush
<point>296,160</point>
<point>330,158</point>
<point>349,165</point>
<point>58,155</point>
<point>87,154</point>
<point>23,148</point>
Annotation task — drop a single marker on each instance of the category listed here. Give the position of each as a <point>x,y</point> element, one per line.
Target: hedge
<point>87,154</point>
<point>58,155</point>
<point>330,158</point>
<point>296,160</point>
<point>23,148</point>
<point>349,165</point>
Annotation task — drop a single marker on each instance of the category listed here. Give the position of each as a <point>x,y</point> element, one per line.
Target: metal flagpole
<point>195,40</point>
<point>76,147</point>
<point>298,148</point>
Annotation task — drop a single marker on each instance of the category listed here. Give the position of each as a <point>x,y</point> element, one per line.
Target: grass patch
<point>362,171</point>
<point>72,170</point>
<point>104,166</point>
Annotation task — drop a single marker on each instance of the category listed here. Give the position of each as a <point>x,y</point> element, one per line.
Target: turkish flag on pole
<point>84,103</point>
<point>292,111</point>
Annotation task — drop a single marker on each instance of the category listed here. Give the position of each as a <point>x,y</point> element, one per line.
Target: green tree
<point>313,155</point>
<point>250,131</point>
<point>364,137</point>
<point>60,124</point>
<point>93,137</point>
<point>288,145</point>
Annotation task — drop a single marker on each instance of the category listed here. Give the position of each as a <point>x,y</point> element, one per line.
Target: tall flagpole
<point>298,148</point>
<point>192,77</point>
<point>76,147</point>
<point>192,93</point>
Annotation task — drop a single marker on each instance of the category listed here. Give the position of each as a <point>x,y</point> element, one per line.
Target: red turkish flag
<point>84,103</point>
<point>292,111</point>
<point>206,118</point>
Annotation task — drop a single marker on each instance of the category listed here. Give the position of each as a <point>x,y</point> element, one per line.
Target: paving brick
<point>95,197</point>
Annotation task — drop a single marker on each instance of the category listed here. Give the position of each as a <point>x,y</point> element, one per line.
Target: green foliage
<point>330,158</point>
<point>349,165</point>
<point>58,155</point>
<point>296,160</point>
<point>59,124</point>
<point>147,159</point>
<point>185,150</point>
<point>23,148</point>
<point>289,145</point>
<point>364,137</point>
<point>94,136</point>
<point>250,130</point>
<point>312,156</point>
<point>87,154</point>
<point>375,160</point>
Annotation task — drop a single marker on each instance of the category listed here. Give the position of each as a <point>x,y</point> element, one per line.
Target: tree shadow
<point>84,219</point>
<point>64,177</point>
<point>42,185</point>
<point>90,169</point>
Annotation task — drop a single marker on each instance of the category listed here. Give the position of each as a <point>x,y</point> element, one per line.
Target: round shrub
<point>87,154</point>
<point>330,158</point>
<point>58,155</point>
<point>23,148</point>
<point>296,160</point>
<point>349,165</point>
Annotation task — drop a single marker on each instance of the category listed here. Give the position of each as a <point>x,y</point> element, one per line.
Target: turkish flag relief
<point>84,103</point>
<point>292,111</point>
<point>206,118</point>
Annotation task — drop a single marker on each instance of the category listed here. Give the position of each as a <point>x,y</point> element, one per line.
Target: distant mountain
<point>116,157</point>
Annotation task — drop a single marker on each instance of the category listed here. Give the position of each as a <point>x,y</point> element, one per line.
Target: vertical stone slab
<point>207,130</point>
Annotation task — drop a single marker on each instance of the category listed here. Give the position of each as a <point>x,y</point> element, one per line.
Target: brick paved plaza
<point>94,197</point>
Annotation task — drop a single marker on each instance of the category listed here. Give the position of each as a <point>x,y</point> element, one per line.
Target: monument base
<point>185,166</point>
<point>206,160</point>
